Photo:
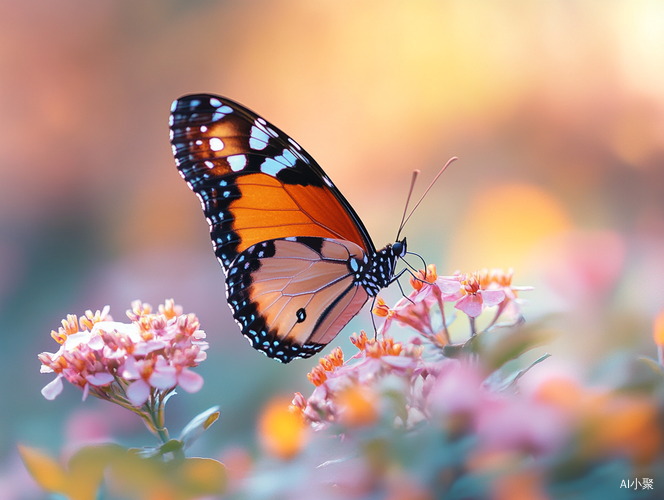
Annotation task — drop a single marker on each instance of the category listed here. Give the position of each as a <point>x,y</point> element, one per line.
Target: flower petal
<point>398,361</point>
<point>448,286</point>
<point>131,369</point>
<point>53,388</point>
<point>190,381</point>
<point>492,297</point>
<point>163,377</point>
<point>138,392</point>
<point>101,378</point>
<point>471,305</point>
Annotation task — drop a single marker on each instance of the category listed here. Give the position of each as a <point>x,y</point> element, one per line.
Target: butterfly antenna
<point>425,192</point>
<point>405,209</point>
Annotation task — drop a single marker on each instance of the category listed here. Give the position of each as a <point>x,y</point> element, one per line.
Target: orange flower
<point>429,276</point>
<point>381,310</point>
<point>621,425</point>
<point>333,360</point>
<point>357,406</point>
<point>360,341</point>
<point>317,375</point>
<point>658,329</point>
<point>90,319</point>
<point>520,486</point>
<point>282,433</point>
<point>169,309</point>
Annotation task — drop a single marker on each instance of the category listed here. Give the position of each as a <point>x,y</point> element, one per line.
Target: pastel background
<point>555,110</point>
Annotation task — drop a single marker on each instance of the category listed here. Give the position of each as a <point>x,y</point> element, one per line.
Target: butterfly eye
<point>399,248</point>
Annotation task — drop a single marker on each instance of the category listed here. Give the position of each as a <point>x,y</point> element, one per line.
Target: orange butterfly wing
<point>293,249</point>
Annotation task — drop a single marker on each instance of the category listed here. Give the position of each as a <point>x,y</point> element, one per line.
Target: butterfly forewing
<point>253,181</point>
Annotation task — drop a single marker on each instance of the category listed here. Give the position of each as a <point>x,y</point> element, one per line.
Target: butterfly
<point>298,261</point>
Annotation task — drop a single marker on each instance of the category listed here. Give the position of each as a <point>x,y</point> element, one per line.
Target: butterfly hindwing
<point>292,296</point>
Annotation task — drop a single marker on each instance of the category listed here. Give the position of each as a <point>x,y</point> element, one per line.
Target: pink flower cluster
<point>445,390</point>
<point>504,421</point>
<point>127,363</point>
<point>344,391</point>
<point>353,387</point>
<point>472,292</point>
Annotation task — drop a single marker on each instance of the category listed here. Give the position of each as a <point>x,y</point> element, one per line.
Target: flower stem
<point>473,329</point>
<point>499,311</point>
<point>441,306</point>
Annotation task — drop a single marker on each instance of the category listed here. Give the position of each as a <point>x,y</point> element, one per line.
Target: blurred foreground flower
<point>454,419</point>
<point>137,366</point>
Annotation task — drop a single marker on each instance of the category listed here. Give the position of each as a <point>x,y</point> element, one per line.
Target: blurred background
<point>555,110</point>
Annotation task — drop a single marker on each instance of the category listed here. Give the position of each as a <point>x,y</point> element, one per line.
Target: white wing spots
<point>203,129</point>
<point>237,162</point>
<point>261,121</point>
<point>177,164</point>
<point>215,103</point>
<point>272,132</point>
<point>209,164</point>
<point>216,144</point>
<point>327,181</point>
<point>290,238</point>
<point>174,149</point>
<point>171,120</point>
<point>199,142</point>
<point>298,154</point>
<point>259,138</point>
<point>174,105</point>
<point>194,103</point>
<point>271,167</point>
<point>221,112</point>
<point>170,135</point>
<point>297,146</point>
<point>289,157</point>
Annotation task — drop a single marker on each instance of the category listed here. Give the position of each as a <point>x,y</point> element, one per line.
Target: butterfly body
<point>299,263</point>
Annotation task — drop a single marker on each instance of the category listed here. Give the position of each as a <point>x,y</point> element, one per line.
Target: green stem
<point>441,306</point>
<point>499,311</point>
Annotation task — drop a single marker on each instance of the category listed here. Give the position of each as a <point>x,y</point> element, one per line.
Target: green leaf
<point>199,424</point>
<point>652,364</point>
<point>499,347</point>
<point>183,479</point>
<point>471,346</point>
<point>499,383</point>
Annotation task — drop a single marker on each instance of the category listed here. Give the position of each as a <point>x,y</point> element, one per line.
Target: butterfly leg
<point>373,318</point>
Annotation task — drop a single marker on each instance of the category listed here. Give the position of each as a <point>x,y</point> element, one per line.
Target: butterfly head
<point>399,249</point>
